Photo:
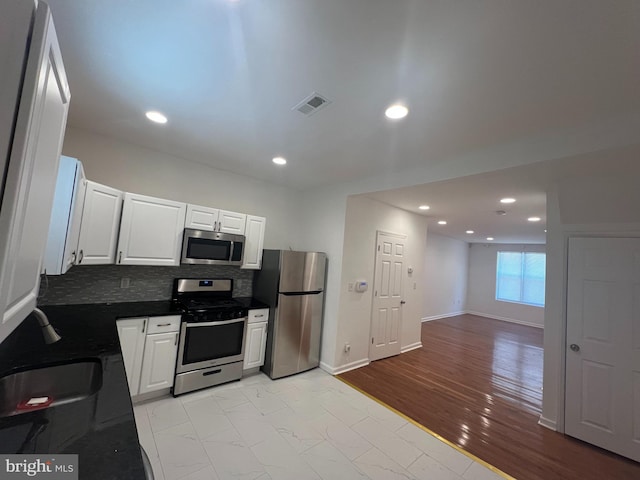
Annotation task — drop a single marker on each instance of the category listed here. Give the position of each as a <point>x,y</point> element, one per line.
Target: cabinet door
<point>151,231</point>
<point>254,242</point>
<point>64,227</point>
<point>131,332</point>
<point>99,225</point>
<point>231,222</point>
<point>255,345</point>
<point>70,257</point>
<point>201,218</point>
<point>33,154</point>
<point>159,363</point>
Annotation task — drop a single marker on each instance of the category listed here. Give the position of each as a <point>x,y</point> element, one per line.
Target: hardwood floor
<point>477,382</point>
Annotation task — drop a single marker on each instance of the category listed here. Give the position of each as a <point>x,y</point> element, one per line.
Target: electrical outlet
<point>125,282</point>
<point>347,348</point>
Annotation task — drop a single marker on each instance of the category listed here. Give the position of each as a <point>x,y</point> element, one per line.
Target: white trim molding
<point>344,368</point>
<point>505,319</point>
<point>444,315</point>
<point>550,424</point>
<point>413,346</point>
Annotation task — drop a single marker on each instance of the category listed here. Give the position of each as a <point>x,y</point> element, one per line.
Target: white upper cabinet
<point>201,218</point>
<point>34,94</point>
<point>215,220</point>
<point>254,241</point>
<point>231,222</point>
<point>99,225</point>
<point>150,231</point>
<point>66,214</point>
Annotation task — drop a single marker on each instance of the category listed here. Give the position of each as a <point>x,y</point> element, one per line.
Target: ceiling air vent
<point>312,104</point>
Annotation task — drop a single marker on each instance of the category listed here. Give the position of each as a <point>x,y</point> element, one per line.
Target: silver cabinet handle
<point>73,257</point>
<point>81,256</point>
<point>259,316</point>
<point>215,226</point>
<point>575,347</point>
<point>176,342</point>
<point>144,325</point>
<point>402,302</point>
<point>120,257</point>
<point>163,324</point>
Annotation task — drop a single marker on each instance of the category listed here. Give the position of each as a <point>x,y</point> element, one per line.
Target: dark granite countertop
<point>250,303</point>
<point>100,428</point>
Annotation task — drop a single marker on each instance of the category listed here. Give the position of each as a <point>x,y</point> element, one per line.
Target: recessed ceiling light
<point>396,111</point>
<point>534,219</point>
<point>424,207</point>
<point>470,232</point>
<point>508,200</point>
<point>156,117</point>
<point>279,161</point>
<point>442,222</point>
<point>489,238</point>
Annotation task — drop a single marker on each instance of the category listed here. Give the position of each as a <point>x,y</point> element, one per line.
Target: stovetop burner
<point>205,300</point>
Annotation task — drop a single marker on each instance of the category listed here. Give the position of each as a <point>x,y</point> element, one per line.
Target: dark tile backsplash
<point>102,283</point>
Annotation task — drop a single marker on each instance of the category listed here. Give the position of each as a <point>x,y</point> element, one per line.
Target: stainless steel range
<point>212,334</point>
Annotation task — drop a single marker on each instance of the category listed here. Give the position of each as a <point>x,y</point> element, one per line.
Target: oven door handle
<point>213,324</point>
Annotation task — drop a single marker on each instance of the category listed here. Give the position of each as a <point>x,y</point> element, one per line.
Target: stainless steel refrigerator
<point>292,284</point>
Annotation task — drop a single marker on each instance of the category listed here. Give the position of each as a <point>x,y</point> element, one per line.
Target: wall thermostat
<point>361,286</point>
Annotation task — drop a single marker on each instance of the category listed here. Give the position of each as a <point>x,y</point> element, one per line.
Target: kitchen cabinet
<point>150,231</point>
<point>256,338</point>
<point>149,348</point>
<point>215,220</point>
<point>159,363</point>
<point>34,94</point>
<point>132,333</point>
<point>66,213</point>
<point>254,235</point>
<point>99,225</point>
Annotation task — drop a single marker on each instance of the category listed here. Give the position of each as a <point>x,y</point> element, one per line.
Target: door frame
<point>401,236</point>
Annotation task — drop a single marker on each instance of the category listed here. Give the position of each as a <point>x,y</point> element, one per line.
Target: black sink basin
<point>58,384</point>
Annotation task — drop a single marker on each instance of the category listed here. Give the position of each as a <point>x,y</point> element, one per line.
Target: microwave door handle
<point>233,245</point>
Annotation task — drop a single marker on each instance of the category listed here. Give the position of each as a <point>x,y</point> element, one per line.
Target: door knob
<point>574,347</point>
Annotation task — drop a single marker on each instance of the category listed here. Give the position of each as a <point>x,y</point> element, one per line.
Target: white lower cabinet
<point>149,348</point>
<point>159,362</point>
<point>256,338</point>
<point>131,332</point>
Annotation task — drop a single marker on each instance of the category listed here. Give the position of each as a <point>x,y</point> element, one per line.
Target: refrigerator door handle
<point>292,294</point>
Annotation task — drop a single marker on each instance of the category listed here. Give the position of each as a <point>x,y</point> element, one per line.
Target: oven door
<point>207,344</point>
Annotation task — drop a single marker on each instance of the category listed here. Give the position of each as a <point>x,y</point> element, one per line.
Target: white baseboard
<point>445,315</point>
<point>344,368</point>
<point>504,319</point>
<point>550,424</point>
<point>413,346</point>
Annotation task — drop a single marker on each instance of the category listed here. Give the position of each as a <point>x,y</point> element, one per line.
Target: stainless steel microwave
<point>212,248</point>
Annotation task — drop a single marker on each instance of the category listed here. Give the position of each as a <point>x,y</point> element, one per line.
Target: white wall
<point>445,284</point>
<point>364,217</point>
<point>137,169</point>
<point>481,287</point>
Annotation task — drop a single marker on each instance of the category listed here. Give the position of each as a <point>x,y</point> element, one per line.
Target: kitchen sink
<point>49,386</point>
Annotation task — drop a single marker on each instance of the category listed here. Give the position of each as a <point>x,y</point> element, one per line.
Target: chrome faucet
<point>49,334</point>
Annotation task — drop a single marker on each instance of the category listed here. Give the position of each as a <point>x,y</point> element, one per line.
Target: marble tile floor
<point>308,426</point>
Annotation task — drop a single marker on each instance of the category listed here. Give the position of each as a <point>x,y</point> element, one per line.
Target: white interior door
<point>386,320</point>
<point>603,344</point>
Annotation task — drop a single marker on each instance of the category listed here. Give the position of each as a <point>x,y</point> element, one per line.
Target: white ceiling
<point>474,73</point>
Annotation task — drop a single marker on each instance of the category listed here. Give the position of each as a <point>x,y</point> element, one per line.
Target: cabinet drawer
<point>170,323</point>
<point>259,315</point>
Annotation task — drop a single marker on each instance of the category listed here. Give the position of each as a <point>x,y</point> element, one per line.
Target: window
<point>520,277</point>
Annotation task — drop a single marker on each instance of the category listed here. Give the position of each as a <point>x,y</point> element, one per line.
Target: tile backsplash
<point>106,283</point>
